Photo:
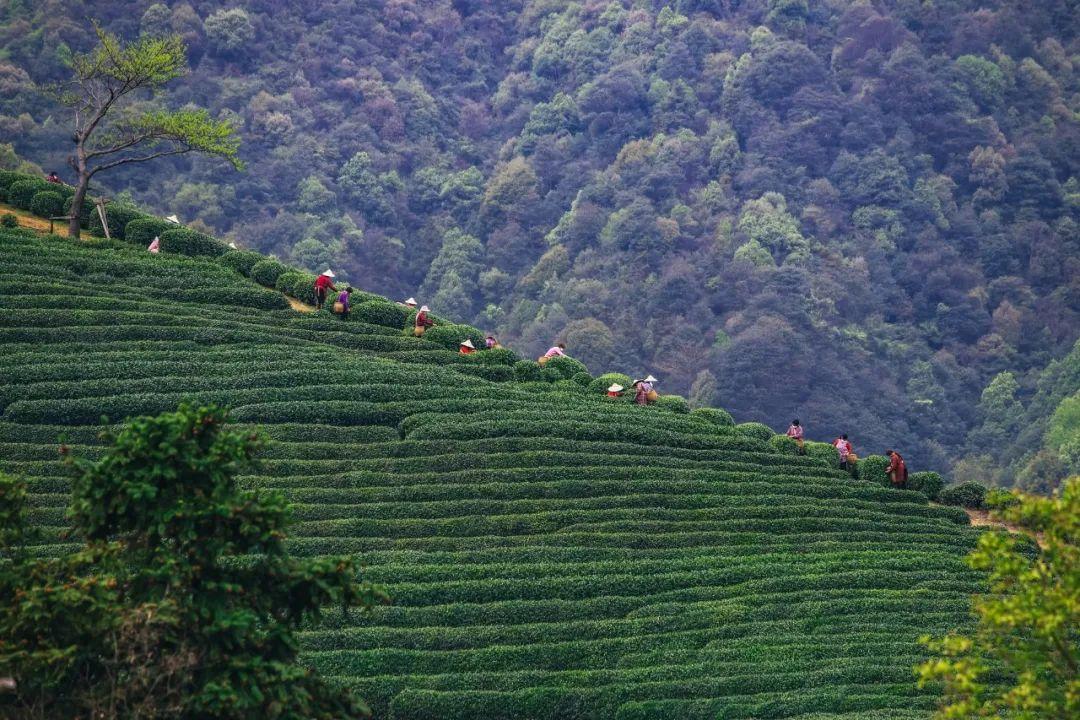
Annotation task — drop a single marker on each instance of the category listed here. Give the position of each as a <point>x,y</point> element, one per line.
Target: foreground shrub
<point>716,416</point>
<point>266,272</point>
<point>927,482</point>
<point>184,241</point>
<point>582,378</point>
<point>1020,661</point>
<point>158,603</point>
<point>242,261</point>
<point>118,216</point>
<point>969,494</point>
<point>142,231</point>
<point>21,193</point>
<point>873,469</point>
<point>47,204</point>
<point>761,431</point>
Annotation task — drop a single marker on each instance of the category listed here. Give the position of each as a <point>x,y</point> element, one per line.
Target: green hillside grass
<point>551,554</point>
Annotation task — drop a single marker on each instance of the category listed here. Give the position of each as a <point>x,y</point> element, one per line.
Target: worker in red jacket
<point>323,283</point>
<point>897,469</point>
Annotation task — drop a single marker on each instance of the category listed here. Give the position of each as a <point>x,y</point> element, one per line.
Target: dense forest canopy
<point>862,213</point>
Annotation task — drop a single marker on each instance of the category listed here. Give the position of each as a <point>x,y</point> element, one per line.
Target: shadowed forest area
<point>862,214</point>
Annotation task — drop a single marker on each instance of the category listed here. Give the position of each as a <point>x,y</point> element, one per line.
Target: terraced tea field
<point>550,553</point>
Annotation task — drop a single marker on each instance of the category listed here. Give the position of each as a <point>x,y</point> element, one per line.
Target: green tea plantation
<point>551,553</point>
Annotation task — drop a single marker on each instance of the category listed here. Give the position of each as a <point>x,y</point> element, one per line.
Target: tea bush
<point>142,231</point>
<point>47,204</point>
<point>755,430</point>
<point>21,192</point>
<point>381,313</point>
<point>928,483</point>
<point>603,382</point>
<point>183,241</point>
<point>266,272</point>
<point>873,469</point>
<point>717,416</point>
<point>118,216</point>
<point>567,367</point>
<point>967,494</point>
<point>242,261</point>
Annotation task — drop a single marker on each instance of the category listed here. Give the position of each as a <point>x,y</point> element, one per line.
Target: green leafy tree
<point>184,602</point>
<point>1029,622</point>
<point>229,30</point>
<point>705,390</point>
<point>110,132</point>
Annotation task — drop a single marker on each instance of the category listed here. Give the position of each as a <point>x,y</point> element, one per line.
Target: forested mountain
<point>863,214</point>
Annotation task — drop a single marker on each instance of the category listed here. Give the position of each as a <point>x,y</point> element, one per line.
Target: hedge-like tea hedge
<point>183,241</point>
<point>551,553</point>
<point>142,231</point>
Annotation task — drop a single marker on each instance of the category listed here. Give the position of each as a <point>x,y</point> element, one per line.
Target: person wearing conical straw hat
<point>615,390</point>
<point>324,282</point>
<point>466,347</point>
<point>644,392</point>
<point>422,322</point>
<point>410,303</point>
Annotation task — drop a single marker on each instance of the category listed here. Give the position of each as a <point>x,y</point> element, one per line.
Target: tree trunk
<point>82,184</point>
<point>76,204</point>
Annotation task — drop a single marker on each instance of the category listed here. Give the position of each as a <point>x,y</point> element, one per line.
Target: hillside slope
<point>551,554</point>
<point>874,200</point>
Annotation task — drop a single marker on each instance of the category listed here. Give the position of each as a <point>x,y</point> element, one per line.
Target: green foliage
<point>9,220</point>
<point>1021,660</point>
<point>142,231</point>
<point>675,403</point>
<point>929,483</point>
<point>266,272</point>
<point>118,216</point>
<point>47,204</point>
<point>873,469</point>
<point>450,336</point>
<point>528,371</point>
<point>565,366</point>
<point>382,313</point>
<point>184,241</point>
<point>21,192</point>
<point>242,261</point>
<point>757,430</point>
<point>717,416</point>
<point>603,382</point>
<point>969,494</point>
<point>155,596</point>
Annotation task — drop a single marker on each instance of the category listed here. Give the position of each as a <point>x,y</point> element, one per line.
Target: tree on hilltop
<point>110,130</point>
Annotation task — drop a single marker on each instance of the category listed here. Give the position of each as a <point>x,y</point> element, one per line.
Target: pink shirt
<point>555,351</point>
<point>155,246</point>
<point>843,447</point>
<point>795,431</point>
